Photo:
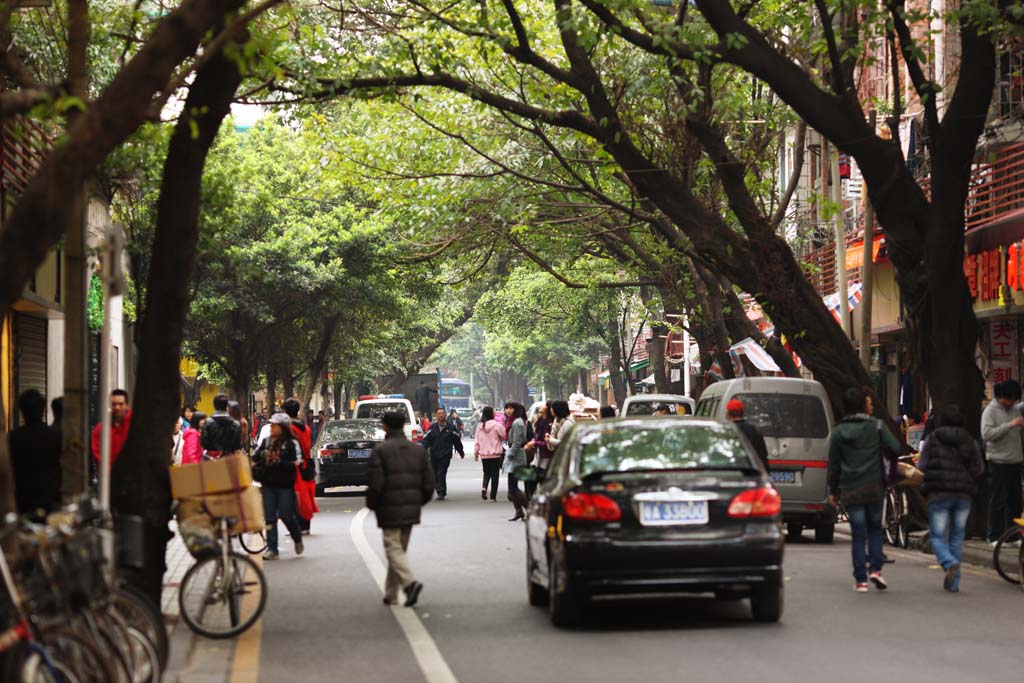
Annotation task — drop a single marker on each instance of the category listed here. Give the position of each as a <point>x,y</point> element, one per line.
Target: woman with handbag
<point>488,448</point>
<point>952,467</point>
<point>515,418</point>
<point>561,423</point>
<point>538,448</point>
<point>274,467</point>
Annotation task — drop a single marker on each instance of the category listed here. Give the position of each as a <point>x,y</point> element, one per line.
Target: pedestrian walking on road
<point>855,472</point>
<point>274,468</point>
<point>515,417</point>
<point>177,442</point>
<point>441,439</point>
<point>192,448</point>
<point>561,423</point>
<point>120,424</point>
<point>952,467</point>
<point>35,457</point>
<point>489,448</point>
<point>222,435</point>
<point>235,411</point>
<point>541,452</point>
<point>305,483</point>
<point>401,482</point>
<point>735,413</point>
<point>1001,425</point>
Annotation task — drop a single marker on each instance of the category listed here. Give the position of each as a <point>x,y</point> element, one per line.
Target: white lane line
<point>435,669</point>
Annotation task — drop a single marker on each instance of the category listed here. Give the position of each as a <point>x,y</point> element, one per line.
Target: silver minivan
<point>795,417</point>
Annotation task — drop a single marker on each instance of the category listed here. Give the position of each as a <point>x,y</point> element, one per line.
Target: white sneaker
<point>860,587</point>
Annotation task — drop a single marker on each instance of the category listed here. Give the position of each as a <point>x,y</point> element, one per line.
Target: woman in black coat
<point>274,467</point>
<point>952,467</point>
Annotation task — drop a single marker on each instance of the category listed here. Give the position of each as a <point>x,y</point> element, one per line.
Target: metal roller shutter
<point>29,354</point>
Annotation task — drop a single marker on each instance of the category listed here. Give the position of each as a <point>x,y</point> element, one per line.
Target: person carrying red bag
<point>305,483</point>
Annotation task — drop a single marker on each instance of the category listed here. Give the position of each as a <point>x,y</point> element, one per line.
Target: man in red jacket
<point>120,423</point>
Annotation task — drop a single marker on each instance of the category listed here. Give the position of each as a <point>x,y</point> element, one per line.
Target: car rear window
<point>647,408</point>
<point>341,431</point>
<point>375,411</point>
<point>786,415</point>
<point>623,448</point>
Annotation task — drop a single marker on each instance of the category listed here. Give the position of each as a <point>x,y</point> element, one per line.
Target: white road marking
<point>435,669</point>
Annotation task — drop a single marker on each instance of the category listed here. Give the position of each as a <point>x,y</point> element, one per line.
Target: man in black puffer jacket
<point>401,481</point>
<point>222,435</point>
<point>952,467</point>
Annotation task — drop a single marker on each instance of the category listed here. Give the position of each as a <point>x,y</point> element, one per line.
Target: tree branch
<point>838,82</point>
<point>925,88</point>
<point>794,179</point>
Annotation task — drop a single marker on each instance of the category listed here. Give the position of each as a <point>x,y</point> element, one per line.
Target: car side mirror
<point>526,473</point>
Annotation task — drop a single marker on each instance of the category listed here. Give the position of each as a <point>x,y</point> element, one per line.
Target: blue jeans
<point>947,521</point>
<point>279,503</point>
<point>866,527</point>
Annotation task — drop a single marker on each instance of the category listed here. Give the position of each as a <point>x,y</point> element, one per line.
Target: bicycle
<point>224,592</point>
<point>1008,555</point>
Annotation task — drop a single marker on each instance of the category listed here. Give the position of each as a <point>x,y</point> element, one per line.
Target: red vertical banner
<point>971,273</point>
<point>1012,270</point>
<point>1005,350</point>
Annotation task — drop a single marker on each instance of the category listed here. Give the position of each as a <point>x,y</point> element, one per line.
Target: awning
<point>639,365</point>
<point>854,294</point>
<point>855,252</point>
<point>757,355</point>
<point>605,375</point>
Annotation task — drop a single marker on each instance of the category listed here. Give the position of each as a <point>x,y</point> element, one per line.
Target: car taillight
<point>323,452</point>
<point>591,506</point>
<point>763,502</point>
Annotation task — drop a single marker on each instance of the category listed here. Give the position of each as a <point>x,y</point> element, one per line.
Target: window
<point>619,449</point>
<point>375,411</point>
<point>349,431</point>
<point>455,390</point>
<point>786,415</point>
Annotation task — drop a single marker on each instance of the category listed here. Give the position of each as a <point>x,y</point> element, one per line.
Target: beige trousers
<point>396,541</point>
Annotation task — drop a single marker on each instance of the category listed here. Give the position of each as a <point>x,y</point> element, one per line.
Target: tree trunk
<point>615,364</point>
<point>140,479</point>
<point>656,352</point>
<point>319,366</point>
<point>271,387</point>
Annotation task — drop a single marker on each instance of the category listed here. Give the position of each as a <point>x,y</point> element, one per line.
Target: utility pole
<point>867,272</point>
<point>839,220</point>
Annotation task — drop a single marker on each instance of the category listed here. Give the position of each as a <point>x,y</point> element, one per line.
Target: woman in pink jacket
<point>192,451</point>
<point>490,447</point>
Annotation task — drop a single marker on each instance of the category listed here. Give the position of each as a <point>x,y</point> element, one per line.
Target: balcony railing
<point>23,146</point>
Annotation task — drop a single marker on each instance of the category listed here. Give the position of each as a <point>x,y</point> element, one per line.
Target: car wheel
<point>537,594</point>
<point>824,532</point>
<point>794,530</point>
<point>766,603</point>
<point>563,606</point>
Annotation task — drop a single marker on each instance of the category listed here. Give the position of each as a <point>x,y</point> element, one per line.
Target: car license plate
<point>783,477</point>
<point>359,454</point>
<point>675,512</point>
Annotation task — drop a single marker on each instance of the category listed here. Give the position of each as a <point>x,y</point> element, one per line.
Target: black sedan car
<point>654,504</point>
<point>343,452</point>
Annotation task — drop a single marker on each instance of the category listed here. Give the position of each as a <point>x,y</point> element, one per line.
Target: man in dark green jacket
<point>855,473</point>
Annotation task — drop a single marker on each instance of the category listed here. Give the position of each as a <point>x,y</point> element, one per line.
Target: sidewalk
<point>976,552</point>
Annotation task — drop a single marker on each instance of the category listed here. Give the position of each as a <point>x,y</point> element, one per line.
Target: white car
<point>374,409</point>
<point>644,404</point>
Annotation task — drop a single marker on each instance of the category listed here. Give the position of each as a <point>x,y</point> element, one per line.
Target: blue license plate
<point>358,454</point>
<point>674,513</point>
<point>784,477</point>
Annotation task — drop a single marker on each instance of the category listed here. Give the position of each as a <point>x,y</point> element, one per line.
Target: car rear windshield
<point>647,408</point>
<point>618,449</point>
<point>340,431</point>
<point>786,415</point>
<point>375,411</point>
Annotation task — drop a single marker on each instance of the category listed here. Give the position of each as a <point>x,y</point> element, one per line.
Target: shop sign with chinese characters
<point>1005,350</point>
<point>988,271</point>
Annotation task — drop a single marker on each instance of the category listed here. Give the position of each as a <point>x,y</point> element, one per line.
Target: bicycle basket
<point>199,538</point>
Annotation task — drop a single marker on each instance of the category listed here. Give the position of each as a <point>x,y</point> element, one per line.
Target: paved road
<point>325,621</point>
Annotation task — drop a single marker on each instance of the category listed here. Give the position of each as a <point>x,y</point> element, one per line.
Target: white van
<point>374,409</point>
<point>645,404</point>
<point>795,417</point>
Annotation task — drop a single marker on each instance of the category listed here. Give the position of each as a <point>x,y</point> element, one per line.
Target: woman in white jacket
<point>561,426</point>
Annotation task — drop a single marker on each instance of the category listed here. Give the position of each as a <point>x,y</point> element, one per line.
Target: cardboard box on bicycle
<point>230,473</point>
<point>245,506</point>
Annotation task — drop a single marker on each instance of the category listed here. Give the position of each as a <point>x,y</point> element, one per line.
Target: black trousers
<point>1004,498</point>
<point>531,486</point>
<point>516,495</point>
<point>492,472</point>
<point>441,474</point>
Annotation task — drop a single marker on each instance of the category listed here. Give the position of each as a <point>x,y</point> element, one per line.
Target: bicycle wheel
<point>138,650</point>
<point>85,661</point>
<point>139,611</point>
<point>891,513</point>
<point>219,606</point>
<point>1009,555</point>
<point>253,542</point>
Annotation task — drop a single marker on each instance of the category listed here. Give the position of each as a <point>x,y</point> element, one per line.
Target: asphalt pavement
<point>325,621</point>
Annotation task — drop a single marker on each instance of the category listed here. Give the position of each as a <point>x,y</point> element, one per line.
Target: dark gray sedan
<point>343,452</point>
